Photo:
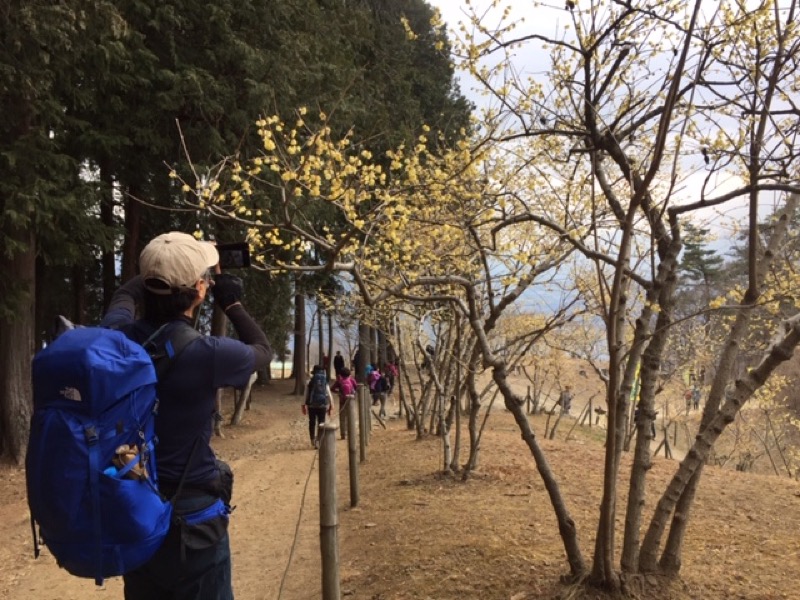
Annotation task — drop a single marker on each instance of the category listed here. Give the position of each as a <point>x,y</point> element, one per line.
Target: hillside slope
<point>418,535</point>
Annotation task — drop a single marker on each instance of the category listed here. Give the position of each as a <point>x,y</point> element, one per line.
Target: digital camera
<point>234,256</point>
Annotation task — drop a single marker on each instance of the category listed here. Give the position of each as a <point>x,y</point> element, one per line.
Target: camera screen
<point>234,256</point>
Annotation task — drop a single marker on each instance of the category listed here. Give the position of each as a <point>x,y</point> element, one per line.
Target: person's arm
<point>122,308</point>
<point>304,405</point>
<point>251,334</point>
<point>228,291</point>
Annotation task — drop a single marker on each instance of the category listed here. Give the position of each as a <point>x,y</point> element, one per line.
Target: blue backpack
<point>94,391</point>
<point>319,389</point>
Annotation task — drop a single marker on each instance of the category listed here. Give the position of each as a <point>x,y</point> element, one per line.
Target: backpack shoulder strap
<point>167,343</point>
<point>178,335</point>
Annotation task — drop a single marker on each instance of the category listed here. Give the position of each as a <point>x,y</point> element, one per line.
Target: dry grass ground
<point>418,535</point>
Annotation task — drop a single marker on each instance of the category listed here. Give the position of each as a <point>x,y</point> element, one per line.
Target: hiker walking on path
<point>175,278</point>
<point>338,363</point>
<point>346,386</point>
<point>565,400</point>
<point>378,386</point>
<point>696,397</point>
<point>391,374</point>
<point>319,402</point>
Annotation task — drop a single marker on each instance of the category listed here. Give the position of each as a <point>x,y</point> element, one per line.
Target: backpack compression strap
<point>94,482</point>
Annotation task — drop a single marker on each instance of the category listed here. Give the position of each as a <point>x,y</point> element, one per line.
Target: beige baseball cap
<point>174,260</point>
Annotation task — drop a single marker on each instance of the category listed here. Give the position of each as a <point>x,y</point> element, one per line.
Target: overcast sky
<point>530,58</point>
<point>550,20</point>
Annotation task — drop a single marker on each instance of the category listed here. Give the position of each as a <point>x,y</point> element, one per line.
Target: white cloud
<point>526,60</point>
<point>726,220</point>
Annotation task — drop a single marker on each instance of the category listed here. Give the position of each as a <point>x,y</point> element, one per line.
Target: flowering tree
<point>573,176</point>
<point>638,99</point>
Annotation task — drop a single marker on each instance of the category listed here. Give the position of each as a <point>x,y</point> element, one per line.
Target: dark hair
<point>162,308</point>
<point>345,372</point>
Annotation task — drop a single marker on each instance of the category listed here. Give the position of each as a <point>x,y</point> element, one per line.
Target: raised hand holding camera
<point>228,290</point>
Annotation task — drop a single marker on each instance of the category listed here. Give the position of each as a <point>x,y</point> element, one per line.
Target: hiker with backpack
<point>391,374</point>
<point>319,402</point>
<point>345,384</point>
<point>384,387</point>
<point>378,386</point>
<point>176,276</point>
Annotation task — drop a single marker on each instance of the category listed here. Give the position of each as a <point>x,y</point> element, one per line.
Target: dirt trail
<point>272,460</point>
<point>419,535</point>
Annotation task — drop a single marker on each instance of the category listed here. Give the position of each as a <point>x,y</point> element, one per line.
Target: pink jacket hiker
<point>346,386</point>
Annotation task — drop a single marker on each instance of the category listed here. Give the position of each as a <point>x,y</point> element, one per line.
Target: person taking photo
<point>176,276</point>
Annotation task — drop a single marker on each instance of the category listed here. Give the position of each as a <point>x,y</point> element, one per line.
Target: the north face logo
<point>71,393</point>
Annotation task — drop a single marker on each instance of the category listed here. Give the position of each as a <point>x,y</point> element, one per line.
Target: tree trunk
<point>133,234</point>
<point>401,388</point>
<point>330,344</point>
<point>109,257</point>
<point>383,354</point>
<point>471,391</point>
<point>43,324</point>
<point>219,326</point>
<point>437,399</point>
<point>412,410</point>
<point>422,407</point>
<point>454,463</point>
<point>299,358</point>
<point>458,387</point>
<point>474,441</point>
<point>662,292</point>
<point>603,569</point>
<point>373,346</point>
<point>670,559</point>
<point>321,335</point>
<point>744,389</point>
<point>566,526</point>
<point>79,295</point>
<point>16,347</point>
<point>309,359</point>
<point>363,351</point>
<point>444,429</point>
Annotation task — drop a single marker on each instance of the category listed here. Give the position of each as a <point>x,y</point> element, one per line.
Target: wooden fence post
<point>362,427</point>
<point>352,450</point>
<point>367,414</point>
<point>328,515</point>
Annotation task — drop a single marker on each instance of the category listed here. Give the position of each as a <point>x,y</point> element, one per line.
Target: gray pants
<point>343,416</point>
<point>380,397</point>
